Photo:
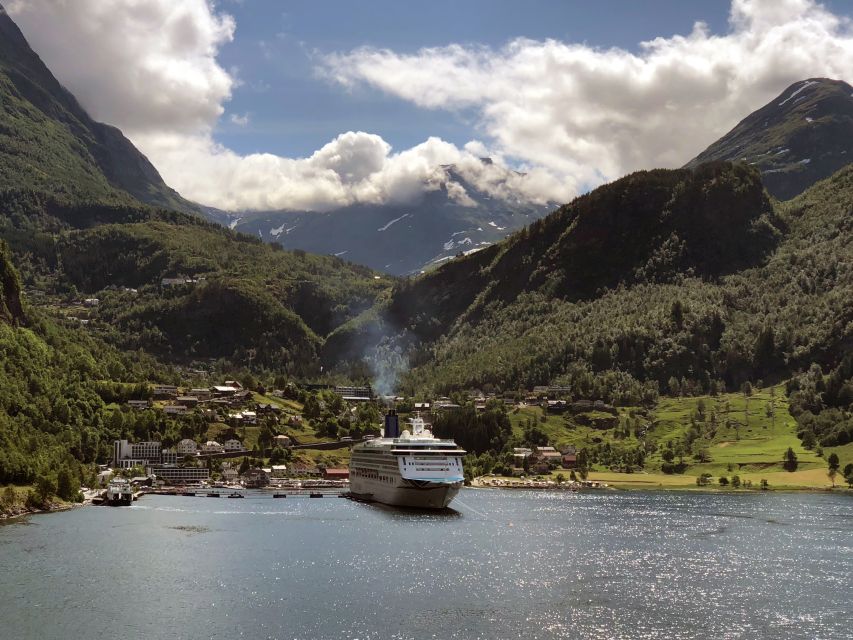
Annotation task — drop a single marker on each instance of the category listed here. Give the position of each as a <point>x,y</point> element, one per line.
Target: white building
<point>168,456</point>
<point>211,446</point>
<point>136,451</point>
<point>186,447</point>
<point>233,445</point>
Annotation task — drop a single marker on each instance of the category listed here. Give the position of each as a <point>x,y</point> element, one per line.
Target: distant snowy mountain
<point>454,217</point>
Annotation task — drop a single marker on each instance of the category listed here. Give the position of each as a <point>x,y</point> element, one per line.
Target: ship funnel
<point>392,424</point>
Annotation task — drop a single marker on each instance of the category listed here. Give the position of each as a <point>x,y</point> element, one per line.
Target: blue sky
<point>293,112</point>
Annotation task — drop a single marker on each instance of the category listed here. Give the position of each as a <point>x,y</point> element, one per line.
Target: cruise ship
<point>409,469</point>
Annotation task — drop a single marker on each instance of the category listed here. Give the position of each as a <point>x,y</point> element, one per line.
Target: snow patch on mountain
<point>805,85</point>
<point>405,215</point>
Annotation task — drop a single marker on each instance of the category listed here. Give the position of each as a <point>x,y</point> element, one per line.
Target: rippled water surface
<point>501,564</point>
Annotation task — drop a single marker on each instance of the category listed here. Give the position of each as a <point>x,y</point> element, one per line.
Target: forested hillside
<point>662,281</point>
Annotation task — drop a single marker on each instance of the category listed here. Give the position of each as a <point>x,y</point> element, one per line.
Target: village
<point>269,441</point>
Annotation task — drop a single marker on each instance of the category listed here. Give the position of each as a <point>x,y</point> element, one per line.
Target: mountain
<point>453,217</point>
<point>684,281</point>
<point>802,136</point>
<point>48,143</point>
<point>84,213</point>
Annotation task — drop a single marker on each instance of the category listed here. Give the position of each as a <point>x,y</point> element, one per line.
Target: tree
<point>764,485</point>
<point>560,478</point>
<point>724,481</point>
<point>790,463</point>
<point>848,474</point>
<point>833,463</point>
<point>736,482</point>
<point>65,488</point>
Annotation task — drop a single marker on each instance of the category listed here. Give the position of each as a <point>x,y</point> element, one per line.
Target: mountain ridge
<point>800,137</point>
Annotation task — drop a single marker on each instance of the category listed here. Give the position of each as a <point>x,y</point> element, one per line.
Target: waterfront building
<point>147,452</point>
<point>168,456</point>
<point>336,474</point>
<point>181,474</point>
<point>279,471</point>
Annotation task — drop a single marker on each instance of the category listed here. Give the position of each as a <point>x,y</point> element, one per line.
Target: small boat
<point>236,494</point>
<point>279,495</point>
<point>188,493</point>
<point>213,494</point>
<point>315,495</point>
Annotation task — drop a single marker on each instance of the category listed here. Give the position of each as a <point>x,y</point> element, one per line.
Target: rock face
<point>796,140</point>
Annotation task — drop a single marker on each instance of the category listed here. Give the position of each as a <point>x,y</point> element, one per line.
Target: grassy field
<point>744,436</point>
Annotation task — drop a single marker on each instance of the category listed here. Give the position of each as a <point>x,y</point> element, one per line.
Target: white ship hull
<point>410,470</point>
<point>429,496</point>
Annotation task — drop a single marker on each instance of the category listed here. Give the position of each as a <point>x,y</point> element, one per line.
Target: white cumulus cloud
<point>588,114</point>
<point>567,115</point>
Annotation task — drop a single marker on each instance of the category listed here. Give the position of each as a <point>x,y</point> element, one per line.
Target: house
<point>265,407</point>
<point>294,421</point>
<point>186,447</point>
<point>233,383</point>
<point>233,445</point>
<point>165,391</point>
<point>520,454</point>
<point>138,404</point>
<point>255,478</point>
<point>422,406</point>
<point>186,401</point>
<point>229,474</point>
<point>223,391</point>
<point>211,446</point>
<point>91,302</point>
<point>299,470</point>
<point>201,394</point>
<point>557,406</point>
<point>549,454</point>
<point>281,441</point>
<point>174,409</point>
<point>279,470</point>
<point>570,460</point>
<point>250,417</point>
<point>336,474</point>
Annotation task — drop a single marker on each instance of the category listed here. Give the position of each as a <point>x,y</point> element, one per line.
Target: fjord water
<point>500,564</point>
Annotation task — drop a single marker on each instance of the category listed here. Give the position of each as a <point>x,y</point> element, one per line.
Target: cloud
<point>143,65</point>
<point>590,115</point>
<point>240,121</point>
<point>567,115</point>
